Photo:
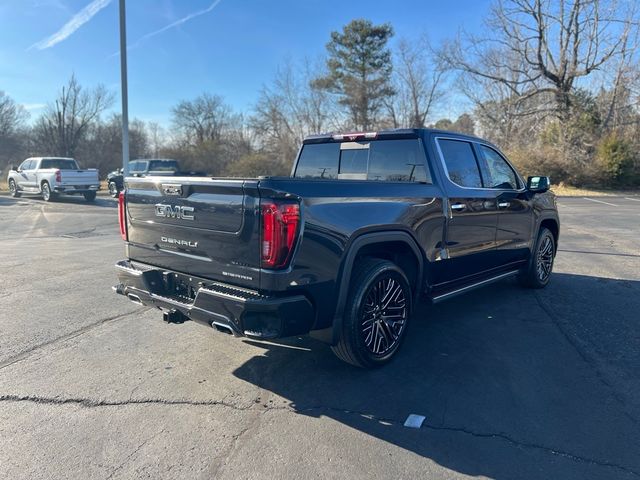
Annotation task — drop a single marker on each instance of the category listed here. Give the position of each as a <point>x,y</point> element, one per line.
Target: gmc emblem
<point>171,211</point>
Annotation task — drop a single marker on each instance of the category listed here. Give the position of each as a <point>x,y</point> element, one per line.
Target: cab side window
<point>496,171</point>
<point>134,167</point>
<point>26,165</point>
<point>460,162</point>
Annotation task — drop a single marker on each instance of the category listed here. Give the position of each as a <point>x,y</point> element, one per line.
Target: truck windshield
<point>59,163</point>
<point>163,166</point>
<point>400,160</point>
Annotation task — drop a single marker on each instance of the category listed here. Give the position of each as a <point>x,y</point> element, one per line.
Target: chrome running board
<point>473,286</point>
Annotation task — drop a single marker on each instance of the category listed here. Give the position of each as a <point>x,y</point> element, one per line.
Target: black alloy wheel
<point>384,315</point>
<point>538,271</point>
<point>376,314</point>
<point>544,260</point>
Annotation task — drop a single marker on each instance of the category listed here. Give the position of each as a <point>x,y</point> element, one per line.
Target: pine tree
<point>359,67</point>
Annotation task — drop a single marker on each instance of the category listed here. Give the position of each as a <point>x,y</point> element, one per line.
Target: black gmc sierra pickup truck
<point>366,224</point>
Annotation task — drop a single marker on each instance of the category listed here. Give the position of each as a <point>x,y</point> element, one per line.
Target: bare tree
<point>206,118</point>
<point>65,122</point>
<point>556,44</point>
<point>417,81</point>
<point>289,109</point>
<point>12,115</point>
<point>12,139</point>
<point>157,136</point>
<point>102,146</point>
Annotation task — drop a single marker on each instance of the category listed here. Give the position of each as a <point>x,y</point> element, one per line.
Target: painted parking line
<point>634,199</point>
<point>600,201</point>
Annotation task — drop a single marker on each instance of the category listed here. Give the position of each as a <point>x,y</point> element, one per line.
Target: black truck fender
<point>331,335</point>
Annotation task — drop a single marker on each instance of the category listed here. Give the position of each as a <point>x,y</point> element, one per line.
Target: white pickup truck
<point>53,176</point>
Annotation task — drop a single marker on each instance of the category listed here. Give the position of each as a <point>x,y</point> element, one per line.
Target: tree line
<point>556,85</point>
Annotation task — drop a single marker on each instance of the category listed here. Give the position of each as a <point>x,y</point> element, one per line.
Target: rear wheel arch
<point>397,246</point>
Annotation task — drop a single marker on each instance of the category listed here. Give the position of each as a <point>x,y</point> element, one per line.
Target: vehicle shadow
<point>513,383</point>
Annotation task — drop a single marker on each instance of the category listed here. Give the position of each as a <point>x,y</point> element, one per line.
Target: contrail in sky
<point>79,19</point>
<point>174,24</point>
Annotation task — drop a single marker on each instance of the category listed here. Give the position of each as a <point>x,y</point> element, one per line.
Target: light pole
<point>124,94</point>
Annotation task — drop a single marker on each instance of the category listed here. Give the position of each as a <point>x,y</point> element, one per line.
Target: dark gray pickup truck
<point>366,224</point>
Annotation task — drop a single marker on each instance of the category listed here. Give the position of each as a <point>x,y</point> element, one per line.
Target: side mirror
<point>538,184</point>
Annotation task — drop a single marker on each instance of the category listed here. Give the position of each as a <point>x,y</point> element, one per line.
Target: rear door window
<point>460,162</point>
<point>398,161</point>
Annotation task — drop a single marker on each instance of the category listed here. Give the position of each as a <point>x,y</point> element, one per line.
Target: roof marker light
<point>353,136</point>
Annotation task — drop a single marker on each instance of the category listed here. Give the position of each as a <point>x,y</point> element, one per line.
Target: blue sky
<point>181,48</point>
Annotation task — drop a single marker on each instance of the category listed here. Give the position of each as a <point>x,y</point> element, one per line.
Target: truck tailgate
<point>204,227</point>
<point>79,177</point>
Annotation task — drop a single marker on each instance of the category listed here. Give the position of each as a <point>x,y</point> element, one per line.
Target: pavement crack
<point>134,453</point>
<point>255,422</point>
<point>586,358</point>
<point>496,435</point>
<point>76,333</point>
<point>92,403</point>
<point>519,444</point>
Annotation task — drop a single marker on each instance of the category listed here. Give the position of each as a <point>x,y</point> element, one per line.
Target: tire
<point>13,189</point>
<point>368,339</point>
<point>538,272</point>
<point>113,189</point>
<point>47,194</point>
<point>89,196</point>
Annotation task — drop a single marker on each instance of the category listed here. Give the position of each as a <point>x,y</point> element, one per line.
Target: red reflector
<point>58,176</point>
<point>280,223</point>
<point>122,219</point>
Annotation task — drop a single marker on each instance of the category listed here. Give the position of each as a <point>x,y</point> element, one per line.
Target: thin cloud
<point>69,28</point>
<point>174,24</point>
<point>33,106</point>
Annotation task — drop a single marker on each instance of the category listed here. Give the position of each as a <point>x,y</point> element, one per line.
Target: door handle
<point>458,206</point>
<point>503,204</point>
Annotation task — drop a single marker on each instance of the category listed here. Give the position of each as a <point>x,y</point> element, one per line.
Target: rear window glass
<point>388,160</point>
<point>60,163</point>
<point>354,160</point>
<point>319,160</point>
<point>163,166</point>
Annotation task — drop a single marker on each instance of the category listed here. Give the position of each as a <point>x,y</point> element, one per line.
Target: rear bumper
<point>71,190</point>
<point>237,310</point>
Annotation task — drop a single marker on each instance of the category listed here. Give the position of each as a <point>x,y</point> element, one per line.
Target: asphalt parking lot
<point>513,383</point>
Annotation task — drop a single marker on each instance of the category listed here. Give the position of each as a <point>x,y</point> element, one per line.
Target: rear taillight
<point>122,219</point>
<point>58,176</point>
<point>280,222</point>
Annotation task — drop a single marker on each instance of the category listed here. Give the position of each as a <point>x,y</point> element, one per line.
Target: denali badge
<point>172,189</point>
<point>170,211</point>
<point>182,243</point>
